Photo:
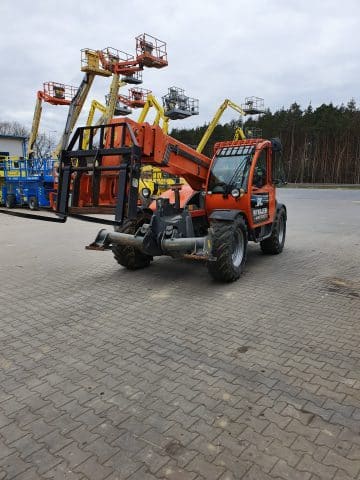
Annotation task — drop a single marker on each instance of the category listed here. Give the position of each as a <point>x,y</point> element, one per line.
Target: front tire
<point>275,243</point>
<point>130,257</point>
<point>229,247</point>
<point>33,203</point>
<point>10,201</point>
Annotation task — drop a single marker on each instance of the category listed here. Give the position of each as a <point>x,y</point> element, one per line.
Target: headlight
<point>235,192</point>
<point>145,192</point>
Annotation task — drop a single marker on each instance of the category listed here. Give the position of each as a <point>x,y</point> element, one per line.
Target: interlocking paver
<point>13,465</point>
<point>62,471</point>
<point>352,467</point>
<point>164,374</point>
<point>91,468</point>
<point>25,446</point>
<point>208,470</point>
<point>11,432</point>
<point>73,455</point>
<point>283,470</point>
<point>308,465</point>
<point>43,460</point>
<point>122,465</point>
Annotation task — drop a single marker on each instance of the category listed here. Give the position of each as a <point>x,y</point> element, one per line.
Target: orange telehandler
<point>228,200</point>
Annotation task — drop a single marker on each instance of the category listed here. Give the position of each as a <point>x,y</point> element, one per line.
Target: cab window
<point>260,172</point>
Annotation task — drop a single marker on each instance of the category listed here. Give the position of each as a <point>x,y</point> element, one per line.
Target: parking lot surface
<point>165,374</point>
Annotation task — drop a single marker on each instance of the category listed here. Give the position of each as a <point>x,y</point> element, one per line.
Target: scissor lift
<point>27,182</point>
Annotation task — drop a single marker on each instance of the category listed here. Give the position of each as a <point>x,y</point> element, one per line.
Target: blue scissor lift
<point>28,182</point>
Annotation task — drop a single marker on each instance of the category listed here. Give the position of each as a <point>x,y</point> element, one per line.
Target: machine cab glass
<point>230,169</point>
<point>260,171</point>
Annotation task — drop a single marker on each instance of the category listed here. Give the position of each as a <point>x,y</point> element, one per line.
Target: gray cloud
<point>281,50</point>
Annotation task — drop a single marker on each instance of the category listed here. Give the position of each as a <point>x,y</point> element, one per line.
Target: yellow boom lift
<point>153,178</point>
<point>252,106</point>
<point>91,65</point>
<point>152,102</point>
<point>107,111</point>
<point>176,106</point>
<point>116,104</point>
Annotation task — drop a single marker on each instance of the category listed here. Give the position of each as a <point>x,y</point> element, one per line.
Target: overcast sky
<point>281,50</point>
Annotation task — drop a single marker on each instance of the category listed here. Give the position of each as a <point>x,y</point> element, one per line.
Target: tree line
<point>320,145</point>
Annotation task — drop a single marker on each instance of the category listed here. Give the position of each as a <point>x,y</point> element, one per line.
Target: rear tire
<point>33,203</point>
<point>229,247</point>
<point>131,257</point>
<point>10,201</point>
<point>275,243</point>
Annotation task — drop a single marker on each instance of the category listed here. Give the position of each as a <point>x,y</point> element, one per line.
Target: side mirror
<point>279,182</point>
<point>276,145</point>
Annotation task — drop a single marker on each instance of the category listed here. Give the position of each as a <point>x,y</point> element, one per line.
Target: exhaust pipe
<point>105,239</point>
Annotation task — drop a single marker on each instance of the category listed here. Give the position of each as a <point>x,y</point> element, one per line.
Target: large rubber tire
<point>10,201</point>
<point>275,243</point>
<point>33,203</point>
<point>131,257</point>
<point>229,247</point>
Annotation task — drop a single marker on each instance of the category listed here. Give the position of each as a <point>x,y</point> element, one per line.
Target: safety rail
<point>177,105</point>
<point>150,51</point>
<point>114,60</point>
<point>253,106</point>
<point>91,63</point>
<point>133,78</point>
<point>136,98</point>
<point>27,168</point>
<point>57,93</point>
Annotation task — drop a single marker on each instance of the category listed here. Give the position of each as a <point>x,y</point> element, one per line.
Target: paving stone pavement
<point>164,374</point>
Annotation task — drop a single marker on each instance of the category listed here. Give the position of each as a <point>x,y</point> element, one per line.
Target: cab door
<point>262,190</point>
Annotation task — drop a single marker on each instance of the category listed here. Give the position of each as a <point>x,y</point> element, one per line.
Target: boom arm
<point>74,110</point>
<point>113,96</point>
<point>151,101</point>
<point>91,65</point>
<point>160,150</point>
<point>226,103</point>
<point>35,125</point>
<point>95,105</point>
<point>105,178</point>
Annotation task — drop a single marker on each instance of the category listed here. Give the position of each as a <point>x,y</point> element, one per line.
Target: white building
<point>12,145</point>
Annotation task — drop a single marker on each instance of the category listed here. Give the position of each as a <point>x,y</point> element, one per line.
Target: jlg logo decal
<point>259,207</point>
<point>260,214</point>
